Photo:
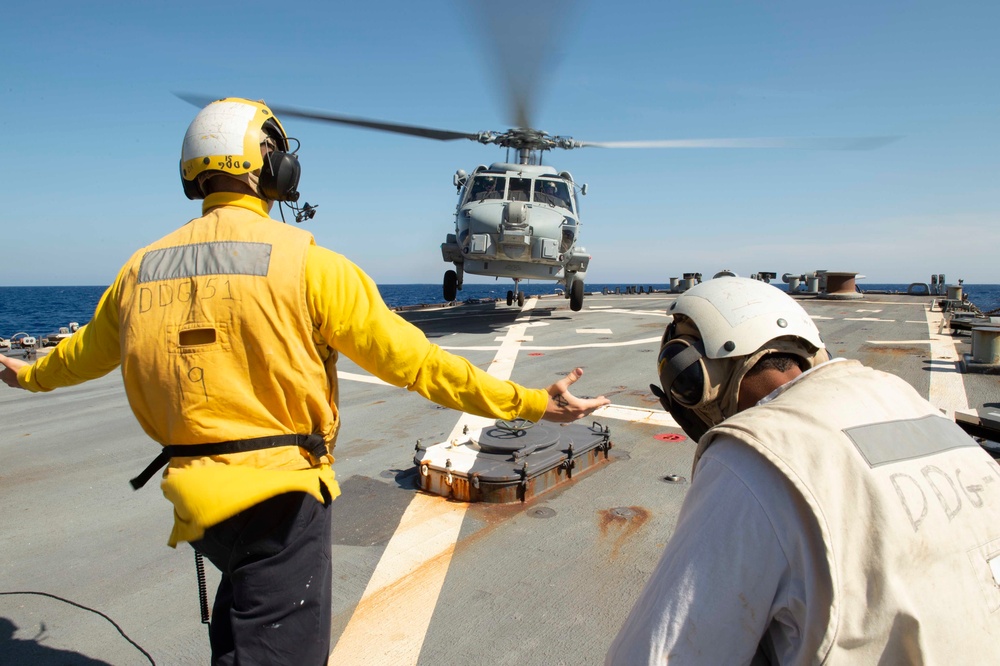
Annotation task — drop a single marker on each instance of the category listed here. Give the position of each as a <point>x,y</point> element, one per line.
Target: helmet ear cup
<point>192,190</point>
<point>279,177</point>
<point>689,422</point>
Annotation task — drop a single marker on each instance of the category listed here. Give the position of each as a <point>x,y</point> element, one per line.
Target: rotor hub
<point>525,138</point>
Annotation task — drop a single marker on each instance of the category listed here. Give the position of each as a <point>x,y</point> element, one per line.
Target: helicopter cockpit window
<point>520,189</point>
<point>486,187</point>
<point>552,192</point>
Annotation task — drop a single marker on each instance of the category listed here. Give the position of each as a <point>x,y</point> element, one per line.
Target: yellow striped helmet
<point>226,137</point>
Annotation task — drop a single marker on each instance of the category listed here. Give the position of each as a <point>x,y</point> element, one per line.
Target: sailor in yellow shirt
<point>227,332</point>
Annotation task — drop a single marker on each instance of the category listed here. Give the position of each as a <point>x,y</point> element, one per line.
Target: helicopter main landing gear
<point>515,293</point>
<point>450,285</point>
<point>576,295</point>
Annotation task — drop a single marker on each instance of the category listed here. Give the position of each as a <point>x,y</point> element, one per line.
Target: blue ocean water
<point>39,311</point>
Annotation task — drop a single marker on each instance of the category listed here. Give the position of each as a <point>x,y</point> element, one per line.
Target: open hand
<point>8,373</point>
<point>564,407</point>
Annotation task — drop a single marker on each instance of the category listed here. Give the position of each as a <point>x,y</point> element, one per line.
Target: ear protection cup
<point>689,422</point>
<point>280,176</point>
<point>192,190</point>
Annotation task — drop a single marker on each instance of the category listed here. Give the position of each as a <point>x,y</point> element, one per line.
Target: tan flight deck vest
<point>217,341</point>
<point>907,505</point>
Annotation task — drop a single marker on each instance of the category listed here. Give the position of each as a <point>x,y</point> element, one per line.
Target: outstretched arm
<point>8,374</point>
<point>352,318</point>
<point>564,407</point>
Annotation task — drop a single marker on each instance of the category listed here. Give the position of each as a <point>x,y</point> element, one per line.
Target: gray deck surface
<point>544,582</point>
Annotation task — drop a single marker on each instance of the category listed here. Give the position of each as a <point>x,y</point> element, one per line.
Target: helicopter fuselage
<point>517,221</point>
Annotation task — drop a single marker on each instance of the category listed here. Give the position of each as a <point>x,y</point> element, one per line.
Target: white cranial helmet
<point>226,137</point>
<point>720,330</point>
<point>737,316</point>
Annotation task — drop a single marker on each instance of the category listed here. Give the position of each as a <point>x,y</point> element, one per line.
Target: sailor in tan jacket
<point>834,515</point>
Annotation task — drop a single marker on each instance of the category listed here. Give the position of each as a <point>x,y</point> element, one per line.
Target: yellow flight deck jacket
<point>229,329</point>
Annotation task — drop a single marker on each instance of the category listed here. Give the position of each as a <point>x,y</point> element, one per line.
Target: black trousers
<point>273,605</point>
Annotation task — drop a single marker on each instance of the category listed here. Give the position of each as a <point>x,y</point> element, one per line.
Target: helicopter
<point>520,219</point>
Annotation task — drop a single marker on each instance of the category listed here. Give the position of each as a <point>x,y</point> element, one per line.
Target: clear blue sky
<point>93,132</point>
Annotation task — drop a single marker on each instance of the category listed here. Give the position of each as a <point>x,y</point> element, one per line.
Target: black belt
<point>315,444</point>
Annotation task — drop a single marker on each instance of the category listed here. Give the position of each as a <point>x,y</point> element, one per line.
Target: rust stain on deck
<point>623,522</point>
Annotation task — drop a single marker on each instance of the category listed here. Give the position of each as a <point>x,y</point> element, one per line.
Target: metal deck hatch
<point>510,461</point>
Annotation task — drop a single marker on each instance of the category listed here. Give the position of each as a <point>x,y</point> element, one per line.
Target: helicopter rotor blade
<point>525,38</point>
<point>522,108</point>
<point>806,143</point>
<point>322,116</point>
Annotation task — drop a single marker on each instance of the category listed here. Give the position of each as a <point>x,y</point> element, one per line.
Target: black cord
<point>199,566</point>
<point>97,612</point>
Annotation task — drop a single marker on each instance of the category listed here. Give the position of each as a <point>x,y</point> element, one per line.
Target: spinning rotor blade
<point>398,128</point>
<point>531,139</point>
<point>525,37</point>
<point>808,143</point>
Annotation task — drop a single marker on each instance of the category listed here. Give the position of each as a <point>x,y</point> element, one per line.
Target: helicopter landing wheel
<point>450,285</point>
<point>520,299</point>
<point>576,296</point>
<point>510,297</point>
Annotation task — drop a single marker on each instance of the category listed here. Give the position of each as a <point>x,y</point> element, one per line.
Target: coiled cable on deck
<point>199,566</point>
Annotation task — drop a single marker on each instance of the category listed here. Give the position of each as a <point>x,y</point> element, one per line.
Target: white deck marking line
<point>867,319</point>
<point>651,313</point>
<point>898,342</point>
<point>587,345</point>
<point>355,377</point>
<point>656,417</point>
<point>595,331</point>
<point>911,303</point>
<point>529,324</point>
<point>947,387</point>
<point>391,620</point>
